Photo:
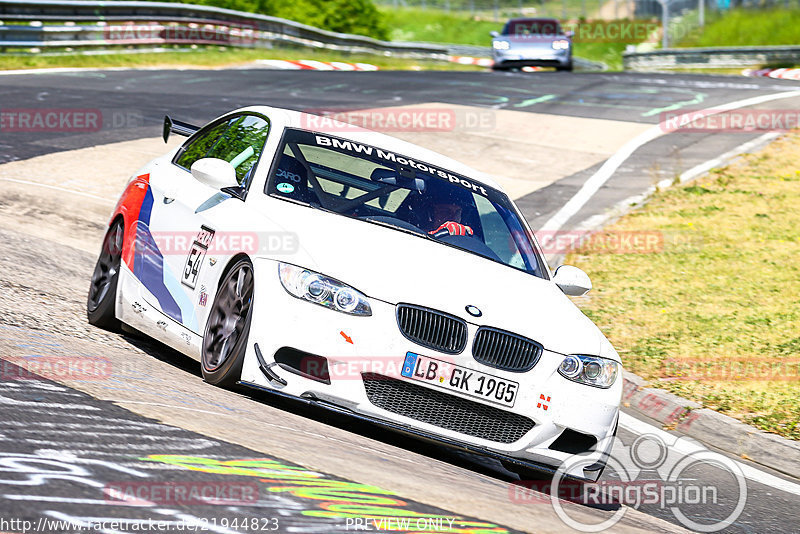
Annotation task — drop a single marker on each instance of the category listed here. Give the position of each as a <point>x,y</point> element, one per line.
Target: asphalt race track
<point>77,450</point>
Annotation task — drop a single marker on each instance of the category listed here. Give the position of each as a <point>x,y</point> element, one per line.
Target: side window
<point>200,146</point>
<point>241,144</point>
<point>238,141</point>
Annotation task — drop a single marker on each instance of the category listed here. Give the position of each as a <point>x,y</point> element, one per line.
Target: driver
<point>446,219</point>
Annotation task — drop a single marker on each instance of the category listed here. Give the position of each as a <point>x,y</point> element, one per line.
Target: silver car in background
<point>532,43</point>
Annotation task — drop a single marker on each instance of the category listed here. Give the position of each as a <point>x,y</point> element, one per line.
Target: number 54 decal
<point>197,255</point>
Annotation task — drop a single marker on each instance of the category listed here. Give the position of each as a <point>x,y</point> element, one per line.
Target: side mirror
<point>494,34</point>
<point>572,281</point>
<point>213,172</point>
<point>569,33</point>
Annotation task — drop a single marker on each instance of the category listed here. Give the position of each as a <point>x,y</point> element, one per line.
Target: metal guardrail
<point>722,57</point>
<point>84,23</point>
<point>471,50</point>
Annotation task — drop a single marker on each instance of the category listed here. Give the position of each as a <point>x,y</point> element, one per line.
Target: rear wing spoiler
<point>181,128</point>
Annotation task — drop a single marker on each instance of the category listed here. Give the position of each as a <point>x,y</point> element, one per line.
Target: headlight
<point>561,44</point>
<point>590,370</point>
<point>319,289</point>
<point>501,45</point>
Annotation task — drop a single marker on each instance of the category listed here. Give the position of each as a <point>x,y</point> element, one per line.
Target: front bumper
<point>356,345</point>
<point>537,57</point>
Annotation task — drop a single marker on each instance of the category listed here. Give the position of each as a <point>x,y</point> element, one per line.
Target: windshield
<point>532,27</point>
<point>381,187</point>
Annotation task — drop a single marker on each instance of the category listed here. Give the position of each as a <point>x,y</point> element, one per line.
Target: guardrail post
<point>702,9</point>
<point>664,23</point>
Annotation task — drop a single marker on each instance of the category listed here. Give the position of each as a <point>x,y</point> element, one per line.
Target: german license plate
<point>452,377</point>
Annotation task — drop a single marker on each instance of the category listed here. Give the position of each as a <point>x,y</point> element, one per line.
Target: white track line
<point>57,188</point>
<point>601,219</point>
<point>598,179</point>
<point>684,446</point>
<point>53,70</point>
<point>68,70</point>
<point>69,500</point>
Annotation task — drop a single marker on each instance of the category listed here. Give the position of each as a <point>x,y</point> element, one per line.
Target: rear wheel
<point>100,304</point>
<point>228,327</point>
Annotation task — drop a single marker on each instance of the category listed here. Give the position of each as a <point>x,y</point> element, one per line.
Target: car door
<point>191,221</point>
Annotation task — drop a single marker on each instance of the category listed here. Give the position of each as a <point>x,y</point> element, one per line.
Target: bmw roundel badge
<point>473,311</point>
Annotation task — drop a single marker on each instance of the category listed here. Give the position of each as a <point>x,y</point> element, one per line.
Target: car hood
<point>395,267</point>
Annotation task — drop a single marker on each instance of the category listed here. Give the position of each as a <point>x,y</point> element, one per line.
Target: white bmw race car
<point>363,274</point>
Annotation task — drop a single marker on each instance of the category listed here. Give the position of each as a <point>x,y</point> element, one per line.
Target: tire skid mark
<point>85,474</point>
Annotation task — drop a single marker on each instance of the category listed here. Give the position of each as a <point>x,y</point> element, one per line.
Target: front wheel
<point>100,305</point>
<point>228,327</point>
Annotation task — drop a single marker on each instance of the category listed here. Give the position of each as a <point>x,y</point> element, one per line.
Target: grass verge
<point>435,26</point>
<point>713,315</point>
<point>608,53</point>
<point>747,27</point>
<point>213,57</point>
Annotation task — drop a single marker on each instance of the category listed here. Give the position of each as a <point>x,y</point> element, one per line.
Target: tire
<point>567,67</point>
<point>228,327</point>
<point>100,303</point>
